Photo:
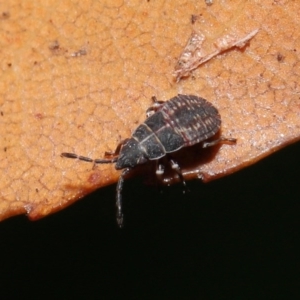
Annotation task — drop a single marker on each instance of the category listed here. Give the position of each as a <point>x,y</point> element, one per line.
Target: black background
<point>234,238</point>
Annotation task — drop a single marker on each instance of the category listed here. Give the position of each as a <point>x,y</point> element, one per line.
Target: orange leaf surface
<point>78,76</point>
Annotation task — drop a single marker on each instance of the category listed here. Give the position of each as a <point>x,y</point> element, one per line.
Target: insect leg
<point>217,141</point>
<point>120,216</point>
<point>117,151</point>
<point>175,166</point>
<point>157,102</point>
<point>160,169</point>
<point>154,107</point>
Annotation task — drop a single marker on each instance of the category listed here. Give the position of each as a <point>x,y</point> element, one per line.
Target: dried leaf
<point>79,76</point>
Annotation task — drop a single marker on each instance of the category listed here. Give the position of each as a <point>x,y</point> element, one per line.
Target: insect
<point>182,121</point>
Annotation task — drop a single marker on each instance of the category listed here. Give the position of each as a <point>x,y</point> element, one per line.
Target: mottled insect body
<point>182,121</point>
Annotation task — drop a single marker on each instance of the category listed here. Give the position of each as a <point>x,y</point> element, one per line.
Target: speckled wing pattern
<point>191,117</point>
<point>182,121</point>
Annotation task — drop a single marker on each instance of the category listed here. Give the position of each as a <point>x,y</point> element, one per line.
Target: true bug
<point>182,121</point>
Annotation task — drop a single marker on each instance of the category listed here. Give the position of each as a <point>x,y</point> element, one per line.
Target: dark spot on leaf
<point>4,15</point>
<point>194,18</point>
<point>54,45</point>
<point>280,57</point>
<point>39,116</point>
<point>56,49</point>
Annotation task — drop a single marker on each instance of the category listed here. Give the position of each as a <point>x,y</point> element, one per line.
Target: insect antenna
<point>88,159</point>
<point>119,215</point>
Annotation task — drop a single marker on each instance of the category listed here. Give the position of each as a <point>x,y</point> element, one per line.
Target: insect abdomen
<point>191,117</point>
<point>182,121</point>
